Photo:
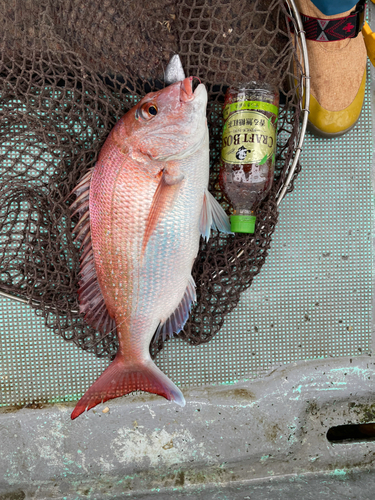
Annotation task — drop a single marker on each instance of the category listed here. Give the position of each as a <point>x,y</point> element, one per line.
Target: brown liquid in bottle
<point>248,150</point>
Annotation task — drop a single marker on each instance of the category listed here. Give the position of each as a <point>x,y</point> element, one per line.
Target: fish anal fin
<point>177,320</point>
<point>212,217</point>
<point>123,377</point>
<point>162,201</point>
<point>90,296</point>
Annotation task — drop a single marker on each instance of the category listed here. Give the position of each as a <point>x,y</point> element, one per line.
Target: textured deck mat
<point>311,300</point>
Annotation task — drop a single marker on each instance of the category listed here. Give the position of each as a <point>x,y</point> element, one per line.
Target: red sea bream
<point>143,208</point>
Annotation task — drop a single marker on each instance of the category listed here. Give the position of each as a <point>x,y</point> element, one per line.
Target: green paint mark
<point>332,389</point>
<point>339,473</point>
<point>363,372</point>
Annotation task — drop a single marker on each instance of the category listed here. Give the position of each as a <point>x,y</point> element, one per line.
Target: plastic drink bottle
<point>248,150</point>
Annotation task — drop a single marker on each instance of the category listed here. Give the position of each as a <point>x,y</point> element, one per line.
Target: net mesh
<point>68,71</point>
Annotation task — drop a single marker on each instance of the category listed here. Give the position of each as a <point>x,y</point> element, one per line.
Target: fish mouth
<point>186,89</point>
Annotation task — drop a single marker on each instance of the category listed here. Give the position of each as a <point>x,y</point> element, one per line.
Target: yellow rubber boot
<point>338,79</point>
<point>369,37</point>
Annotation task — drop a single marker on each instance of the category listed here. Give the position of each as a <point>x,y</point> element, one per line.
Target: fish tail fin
<point>122,377</point>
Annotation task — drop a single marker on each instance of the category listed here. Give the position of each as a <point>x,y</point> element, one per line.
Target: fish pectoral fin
<point>172,180</point>
<point>212,217</point>
<point>177,320</point>
<point>122,377</point>
<point>162,201</point>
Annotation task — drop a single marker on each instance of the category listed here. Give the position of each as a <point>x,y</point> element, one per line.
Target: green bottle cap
<point>242,223</point>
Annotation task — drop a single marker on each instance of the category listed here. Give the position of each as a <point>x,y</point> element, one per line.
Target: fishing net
<point>68,71</point>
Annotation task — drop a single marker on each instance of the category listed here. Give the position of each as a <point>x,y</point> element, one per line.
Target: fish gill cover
<point>68,71</point>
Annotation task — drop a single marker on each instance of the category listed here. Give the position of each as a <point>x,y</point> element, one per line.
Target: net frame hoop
<point>305,86</point>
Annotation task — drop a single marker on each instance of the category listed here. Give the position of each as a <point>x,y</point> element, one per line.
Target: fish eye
<point>153,110</point>
<point>148,110</point>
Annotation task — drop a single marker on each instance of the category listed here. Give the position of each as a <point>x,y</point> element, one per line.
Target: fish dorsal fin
<point>212,217</point>
<point>177,320</point>
<point>91,300</point>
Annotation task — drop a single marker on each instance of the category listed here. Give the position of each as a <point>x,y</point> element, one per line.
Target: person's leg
<point>333,7</point>
<point>337,66</point>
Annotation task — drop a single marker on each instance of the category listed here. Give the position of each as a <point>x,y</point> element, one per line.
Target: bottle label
<point>248,137</point>
<point>256,105</point>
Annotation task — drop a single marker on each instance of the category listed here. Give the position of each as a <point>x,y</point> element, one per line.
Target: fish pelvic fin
<point>123,377</point>
<point>212,217</point>
<point>162,201</point>
<point>177,320</point>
